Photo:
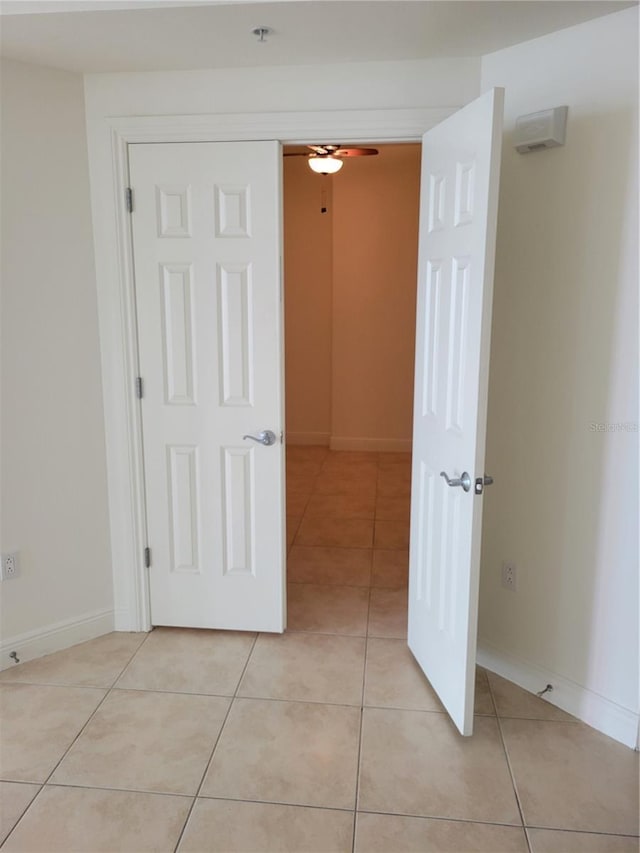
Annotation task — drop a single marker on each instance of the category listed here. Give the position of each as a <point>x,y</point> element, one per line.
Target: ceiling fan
<point>327,159</point>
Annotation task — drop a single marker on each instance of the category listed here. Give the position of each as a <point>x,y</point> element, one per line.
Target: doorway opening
<point>350,269</point>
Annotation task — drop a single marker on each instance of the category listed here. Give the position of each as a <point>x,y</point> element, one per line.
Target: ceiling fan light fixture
<point>325,164</point>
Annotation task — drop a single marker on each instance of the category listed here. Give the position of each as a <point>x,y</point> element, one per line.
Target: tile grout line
<point>24,810</point>
<point>445,818</point>
<point>66,752</point>
<point>364,683</point>
<point>347,585</point>
<point>306,506</point>
<point>352,547</point>
<point>132,658</point>
<point>215,745</point>
<point>510,768</point>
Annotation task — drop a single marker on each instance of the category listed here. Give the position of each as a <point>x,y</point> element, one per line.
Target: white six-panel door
<point>207,236</point>
<point>458,212</point>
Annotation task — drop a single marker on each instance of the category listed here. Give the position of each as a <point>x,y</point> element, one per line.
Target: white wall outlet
<point>509,576</point>
<point>10,566</point>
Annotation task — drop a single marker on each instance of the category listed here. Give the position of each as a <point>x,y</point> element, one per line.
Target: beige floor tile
<point>293,525</point>
<point>393,483</point>
<point>301,482</point>
<point>386,833</point>
<point>146,741</point>
<point>37,726</point>
<point>77,820</point>
<point>359,471</point>
<point>390,568</point>
<point>306,451</point>
<point>483,701</point>
<point>391,534</point>
<point>304,466</point>
<point>335,532</point>
<point>189,660</point>
<point>388,613</point>
<point>416,763</point>
<point>328,609</point>
<point>352,457</point>
<point>297,502</point>
<point>394,679</point>
<point>96,663</point>
<point>513,701</point>
<point>220,826</point>
<point>14,799</point>
<point>392,458</point>
<point>307,668</point>
<point>558,841</point>
<point>357,484</point>
<point>572,777</point>
<point>342,566</point>
<point>287,752</point>
<point>393,508</point>
<point>340,506</point>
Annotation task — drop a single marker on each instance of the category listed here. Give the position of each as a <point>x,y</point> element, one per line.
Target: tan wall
<point>308,271</point>
<point>375,250</point>
<point>350,285</point>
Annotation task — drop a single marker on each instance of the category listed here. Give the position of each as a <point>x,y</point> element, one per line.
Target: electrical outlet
<point>10,567</point>
<point>509,576</point>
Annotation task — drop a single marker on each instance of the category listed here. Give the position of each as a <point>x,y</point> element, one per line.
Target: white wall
<point>564,356</point>
<point>54,500</point>
<point>361,85</point>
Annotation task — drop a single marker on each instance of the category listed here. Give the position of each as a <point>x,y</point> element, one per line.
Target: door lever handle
<point>266,437</point>
<point>481,482</point>
<point>463,480</point>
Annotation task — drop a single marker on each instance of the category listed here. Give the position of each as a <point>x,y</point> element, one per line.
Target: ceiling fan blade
<point>322,149</point>
<point>295,154</point>
<point>355,152</point>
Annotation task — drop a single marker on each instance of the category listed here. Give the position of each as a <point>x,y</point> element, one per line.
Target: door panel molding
<point>461,170</point>
<point>108,142</point>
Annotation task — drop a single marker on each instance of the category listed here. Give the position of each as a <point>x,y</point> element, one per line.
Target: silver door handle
<point>464,480</point>
<point>265,437</point>
<point>481,482</point>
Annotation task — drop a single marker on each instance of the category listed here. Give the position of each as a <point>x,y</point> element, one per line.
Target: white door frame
<point>108,155</point>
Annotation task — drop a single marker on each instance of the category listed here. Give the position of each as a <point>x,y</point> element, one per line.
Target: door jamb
<point>116,304</point>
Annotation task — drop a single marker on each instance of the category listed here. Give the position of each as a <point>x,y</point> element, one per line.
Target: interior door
<point>206,235</point>
<point>458,211</point>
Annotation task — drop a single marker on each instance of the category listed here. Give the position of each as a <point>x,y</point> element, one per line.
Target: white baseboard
<point>55,637</point>
<point>308,438</point>
<point>122,620</point>
<point>395,445</point>
<point>602,714</point>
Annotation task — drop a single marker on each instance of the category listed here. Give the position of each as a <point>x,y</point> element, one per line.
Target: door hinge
<point>128,195</point>
<point>139,387</point>
<point>147,558</point>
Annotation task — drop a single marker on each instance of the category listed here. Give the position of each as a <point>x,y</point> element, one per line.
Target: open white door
<point>458,212</point>
<point>206,237</point>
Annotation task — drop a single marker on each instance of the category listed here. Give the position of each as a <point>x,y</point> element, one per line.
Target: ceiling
<point>156,36</point>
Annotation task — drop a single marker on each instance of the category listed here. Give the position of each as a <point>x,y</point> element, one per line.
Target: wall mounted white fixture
<point>546,129</point>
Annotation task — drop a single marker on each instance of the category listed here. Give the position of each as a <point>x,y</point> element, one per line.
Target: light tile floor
<point>326,738</point>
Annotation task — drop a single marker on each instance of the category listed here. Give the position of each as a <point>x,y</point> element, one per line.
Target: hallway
<point>348,536</point>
